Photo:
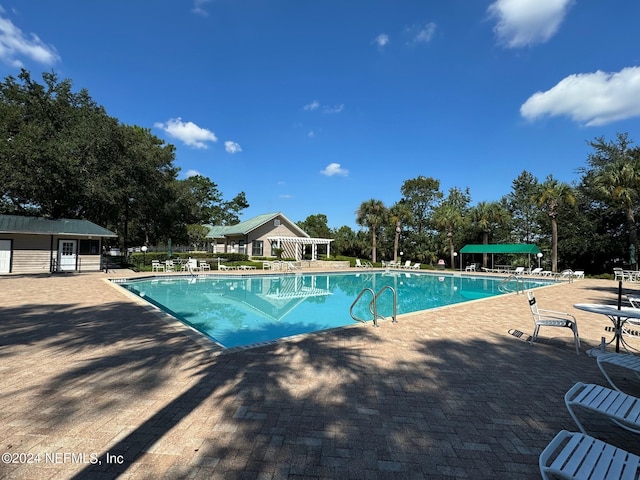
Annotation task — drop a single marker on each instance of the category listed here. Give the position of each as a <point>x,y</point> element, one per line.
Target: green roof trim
<point>501,248</point>
<point>47,226</point>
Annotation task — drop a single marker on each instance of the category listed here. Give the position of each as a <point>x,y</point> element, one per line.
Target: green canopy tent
<point>493,248</point>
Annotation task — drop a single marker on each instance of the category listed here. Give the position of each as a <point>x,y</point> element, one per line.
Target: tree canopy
<point>62,156</point>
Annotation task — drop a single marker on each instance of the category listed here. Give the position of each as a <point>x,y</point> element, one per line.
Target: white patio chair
<point>407,264</point>
<point>470,268</point>
<point>620,408</point>
<point>577,456</point>
<point>156,266</point>
<point>536,271</point>
<point>550,318</point>
<point>634,300</point>
<point>620,274</point>
<point>416,266</point>
<point>191,265</point>
<point>204,266</point>
<point>519,271</point>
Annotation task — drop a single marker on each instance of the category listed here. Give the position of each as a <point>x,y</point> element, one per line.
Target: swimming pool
<point>238,311</point>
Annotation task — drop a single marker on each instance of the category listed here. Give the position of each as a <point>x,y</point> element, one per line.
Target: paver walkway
<point>101,387</point>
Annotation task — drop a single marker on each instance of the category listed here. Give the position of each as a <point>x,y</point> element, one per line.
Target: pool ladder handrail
<point>373,305</point>
<point>519,283</point>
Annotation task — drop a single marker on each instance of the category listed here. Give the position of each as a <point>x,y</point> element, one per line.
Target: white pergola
<point>290,245</point>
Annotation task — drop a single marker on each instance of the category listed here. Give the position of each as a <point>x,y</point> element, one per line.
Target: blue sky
<point>316,106</point>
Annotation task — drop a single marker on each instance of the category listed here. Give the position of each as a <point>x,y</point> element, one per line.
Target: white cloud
<point>589,98</point>
<point>15,44</point>
<point>522,23</point>
<point>334,169</point>
<point>191,173</point>
<point>312,106</point>
<point>315,105</point>
<point>381,40</point>
<point>286,196</point>
<point>187,132</point>
<point>420,33</point>
<point>198,7</point>
<point>311,134</point>
<point>333,109</point>
<point>232,147</point>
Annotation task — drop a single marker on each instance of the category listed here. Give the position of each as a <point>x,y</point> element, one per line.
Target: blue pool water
<point>239,311</point>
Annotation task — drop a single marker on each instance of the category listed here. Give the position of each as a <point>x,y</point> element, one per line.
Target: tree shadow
<point>355,402</point>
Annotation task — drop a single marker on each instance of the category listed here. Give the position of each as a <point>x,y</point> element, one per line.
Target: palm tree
<point>487,216</point>
<point>550,196</point>
<point>615,174</point>
<point>447,218</point>
<point>400,214</point>
<point>450,215</point>
<point>372,214</point>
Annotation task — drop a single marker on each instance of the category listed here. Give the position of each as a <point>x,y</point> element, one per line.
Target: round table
<point>617,316</point>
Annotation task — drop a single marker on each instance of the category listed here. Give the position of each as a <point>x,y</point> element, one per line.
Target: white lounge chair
<point>407,264</point>
<point>267,266</point>
<point>577,456</point>
<point>225,268</point>
<point>536,271</point>
<point>416,266</point>
<point>566,274</point>
<point>518,271</point>
<point>621,361</point>
<point>470,268</point>
<point>620,408</point>
<point>204,266</point>
<point>550,318</point>
<point>578,274</point>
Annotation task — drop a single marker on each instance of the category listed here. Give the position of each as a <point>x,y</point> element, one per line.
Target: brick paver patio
<point>101,386</point>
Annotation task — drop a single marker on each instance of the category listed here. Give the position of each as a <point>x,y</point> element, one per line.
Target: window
<point>258,248</point>
<point>89,247</point>
<point>276,223</point>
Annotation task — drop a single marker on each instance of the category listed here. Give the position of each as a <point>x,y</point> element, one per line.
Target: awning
<point>501,248</point>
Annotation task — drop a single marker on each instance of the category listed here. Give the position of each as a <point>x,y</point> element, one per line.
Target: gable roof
<point>243,228</point>
<point>47,226</point>
<point>501,248</point>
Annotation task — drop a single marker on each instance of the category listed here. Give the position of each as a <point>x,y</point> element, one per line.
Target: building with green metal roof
<point>41,245</point>
<point>262,235</point>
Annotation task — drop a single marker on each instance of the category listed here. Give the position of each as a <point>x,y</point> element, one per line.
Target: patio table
<point>618,317</point>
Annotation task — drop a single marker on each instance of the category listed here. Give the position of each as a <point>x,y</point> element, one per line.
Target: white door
<point>5,256</point>
<point>67,255</point>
